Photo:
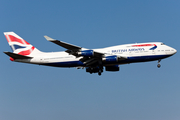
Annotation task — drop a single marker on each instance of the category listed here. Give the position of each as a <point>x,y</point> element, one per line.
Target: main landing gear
<point>97,69</point>
<point>159,65</point>
<point>100,71</point>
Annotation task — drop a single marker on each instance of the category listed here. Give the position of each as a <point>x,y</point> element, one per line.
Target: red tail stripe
<point>11,38</point>
<point>27,52</point>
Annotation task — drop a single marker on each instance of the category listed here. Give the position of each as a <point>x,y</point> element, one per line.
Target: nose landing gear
<point>159,65</point>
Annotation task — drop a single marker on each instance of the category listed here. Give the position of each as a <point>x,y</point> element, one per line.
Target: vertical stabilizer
<point>19,45</point>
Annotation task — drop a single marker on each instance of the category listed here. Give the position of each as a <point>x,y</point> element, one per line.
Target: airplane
<point>93,60</point>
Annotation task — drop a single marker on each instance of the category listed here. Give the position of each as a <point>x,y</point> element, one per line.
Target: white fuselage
<point>139,52</point>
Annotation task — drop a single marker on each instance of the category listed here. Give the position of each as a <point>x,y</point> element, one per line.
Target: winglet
<point>48,38</point>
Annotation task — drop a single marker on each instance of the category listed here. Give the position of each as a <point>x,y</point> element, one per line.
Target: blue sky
<point>138,91</point>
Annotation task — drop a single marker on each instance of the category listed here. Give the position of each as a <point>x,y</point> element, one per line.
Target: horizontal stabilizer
<point>16,56</point>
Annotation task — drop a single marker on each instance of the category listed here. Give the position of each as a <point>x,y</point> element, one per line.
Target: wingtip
<point>48,38</point>
<point>5,52</point>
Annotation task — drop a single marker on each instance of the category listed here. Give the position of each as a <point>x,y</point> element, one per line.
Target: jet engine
<point>86,53</point>
<point>113,58</point>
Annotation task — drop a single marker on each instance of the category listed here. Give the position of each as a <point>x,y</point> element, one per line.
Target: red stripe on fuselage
<point>143,45</point>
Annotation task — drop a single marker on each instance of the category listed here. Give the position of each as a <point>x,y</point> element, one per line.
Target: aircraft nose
<point>174,51</point>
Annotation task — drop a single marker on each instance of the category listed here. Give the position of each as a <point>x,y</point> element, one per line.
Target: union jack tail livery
<point>19,45</point>
<point>94,60</point>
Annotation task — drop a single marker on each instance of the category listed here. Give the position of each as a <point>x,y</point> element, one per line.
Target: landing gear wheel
<point>100,71</point>
<point>158,65</point>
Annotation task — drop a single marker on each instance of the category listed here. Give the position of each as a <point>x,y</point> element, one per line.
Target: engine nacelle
<point>86,53</point>
<point>113,58</point>
<point>112,68</point>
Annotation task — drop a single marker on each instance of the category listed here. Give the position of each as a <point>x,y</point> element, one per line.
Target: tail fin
<point>19,45</point>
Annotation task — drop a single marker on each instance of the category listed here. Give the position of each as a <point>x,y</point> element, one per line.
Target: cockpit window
<point>162,44</point>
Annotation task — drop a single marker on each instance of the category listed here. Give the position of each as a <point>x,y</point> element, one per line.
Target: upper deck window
<point>162,44</point>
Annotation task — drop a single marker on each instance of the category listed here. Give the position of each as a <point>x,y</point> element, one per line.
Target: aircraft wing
<point>89,57</point>
<point>63,44</point>
<point>71,49</point>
